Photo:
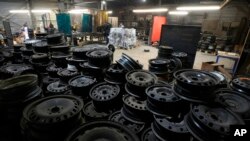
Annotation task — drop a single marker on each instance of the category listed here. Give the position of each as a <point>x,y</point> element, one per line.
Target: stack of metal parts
<point>207,43</point>
<point>212,107</point>
<point>210,43</point>
<point>101,100</point>
<point>15,94</point>
<point>167,62</point>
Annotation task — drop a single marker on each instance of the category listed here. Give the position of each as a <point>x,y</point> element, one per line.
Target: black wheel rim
<point>53,109</point>
<point>135,110</point>
<point>148,135</point>
<point>100,58</point>
<point>138,81</point>
<point>206,123</point>
<point>57,88</point>
<point>235,101</point>
<point>241,84</point>
<point>115,75</point>
<point>66,74</point>
<point>170,128</point>
<point>16,69</point>
<point>105,130</point>
<point>18,86</point>
<point>161,96</point>
<point>105,96</point>
<point>117,117</point>
<point>195,85</point>
<point>128,63</point>
<point>80,84</point>
<point>91,114</point>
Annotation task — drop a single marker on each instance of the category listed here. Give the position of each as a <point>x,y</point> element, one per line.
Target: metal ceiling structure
<point>135,3</point>
<point>116,4</point>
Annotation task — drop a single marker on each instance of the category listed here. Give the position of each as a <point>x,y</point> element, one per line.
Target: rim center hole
<point>104,92</point>
<point>164,94</point>
<point>214,117</point>
<point>195,79</point>
<point>141,78</point>
<point>60,85</point>
<point>139,102</point>
<point>55,109</point>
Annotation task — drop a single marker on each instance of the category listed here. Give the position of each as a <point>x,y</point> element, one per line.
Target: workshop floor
<point>138,53</point>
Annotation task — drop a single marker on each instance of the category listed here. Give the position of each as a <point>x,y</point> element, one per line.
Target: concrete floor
<point>138,53</point>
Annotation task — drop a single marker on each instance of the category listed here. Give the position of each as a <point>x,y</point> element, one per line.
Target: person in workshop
<point>51,29</point>
<point>1,38</point>
<point>106,29</point>
<point>25,31</point>
<point>17,38</point>
<point>74,28</point>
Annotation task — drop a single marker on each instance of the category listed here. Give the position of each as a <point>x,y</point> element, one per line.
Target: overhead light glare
<point>103,2</point>
<point>109,12</point>
<point>19,11</point>
<point>41,11</point>
<point>198,8</point>
<point>150,10</point>
<point>79,11</point>
<point>178,13</point>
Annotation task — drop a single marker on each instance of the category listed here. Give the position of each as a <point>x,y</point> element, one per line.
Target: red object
<point>158,21</point>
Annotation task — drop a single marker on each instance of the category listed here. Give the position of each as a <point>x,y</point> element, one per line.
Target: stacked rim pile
<point>15,94</point>
<point>211,101</point>
<point>207,43</point>
<point>105,99</point>
<point>27,51</point>
<point>17,54</point>
<point>166,63</point>
<point>6,54</point>
<point>51,118</point>
<point>26,54</point>
<point>11,70</point>
<point>119,101</point>
<point>134,113</point>
<point>98,61</point>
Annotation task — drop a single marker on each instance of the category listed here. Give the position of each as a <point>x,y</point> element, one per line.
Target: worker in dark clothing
<point>106,29</point>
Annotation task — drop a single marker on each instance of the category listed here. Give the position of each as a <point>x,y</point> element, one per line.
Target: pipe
<point>225,3</point>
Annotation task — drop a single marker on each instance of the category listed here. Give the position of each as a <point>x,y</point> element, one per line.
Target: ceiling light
<point>150,10</point>
<point>103,2</point>
<point>19,11</point>
<point>79,11</point>
<point>109,12</point>
<point>41,11</point>
<point>177,12</point>
<point>198,8</point>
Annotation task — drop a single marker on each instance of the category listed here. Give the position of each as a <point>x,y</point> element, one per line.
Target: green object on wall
<point>86,23</point>
<point>64,23</point>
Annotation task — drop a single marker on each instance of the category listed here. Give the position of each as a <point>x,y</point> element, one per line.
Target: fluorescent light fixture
<point>150,10</point>
<point>19,11</point>
<point>109,12</point>
<point>177,12</point>
<point>79,11</point>
<point>41,11</point>
<point>103,2</point>
<point>198,8</point>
